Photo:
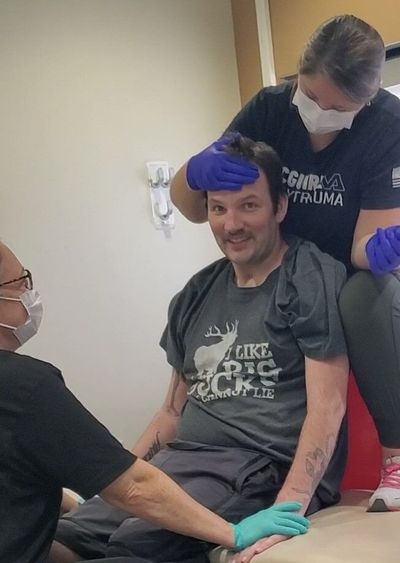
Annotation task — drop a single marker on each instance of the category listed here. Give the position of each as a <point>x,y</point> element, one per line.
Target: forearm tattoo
<point>154,448</point>
<point>316,463</point>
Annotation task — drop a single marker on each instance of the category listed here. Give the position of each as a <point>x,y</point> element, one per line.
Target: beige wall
<point>293,21</point>
<point>90,90</point>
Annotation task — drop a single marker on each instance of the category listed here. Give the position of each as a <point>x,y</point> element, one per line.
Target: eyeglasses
<point>27,276</point>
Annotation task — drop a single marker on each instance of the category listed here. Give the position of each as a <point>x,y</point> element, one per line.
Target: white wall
<point>90,90</point>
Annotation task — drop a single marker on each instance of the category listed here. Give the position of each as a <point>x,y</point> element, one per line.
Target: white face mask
<point>32,302</point>
<point>319,121</point>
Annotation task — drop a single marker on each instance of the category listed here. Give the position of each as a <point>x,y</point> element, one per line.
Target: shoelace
<point>391,476</point>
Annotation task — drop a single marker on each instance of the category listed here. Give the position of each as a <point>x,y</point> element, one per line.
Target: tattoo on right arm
<point>154,448</point>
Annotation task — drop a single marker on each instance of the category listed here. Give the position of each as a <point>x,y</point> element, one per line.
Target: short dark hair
<point>265,157</point>
<point>350,52</point>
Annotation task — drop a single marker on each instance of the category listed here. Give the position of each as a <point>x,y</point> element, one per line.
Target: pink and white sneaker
<point>387,495</point>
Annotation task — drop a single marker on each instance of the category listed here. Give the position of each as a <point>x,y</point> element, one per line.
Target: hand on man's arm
<point>326,385</point>
<point>148,493</point>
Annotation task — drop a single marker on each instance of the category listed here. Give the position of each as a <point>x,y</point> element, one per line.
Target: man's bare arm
<point>163,426</point>
<point>326,384</point>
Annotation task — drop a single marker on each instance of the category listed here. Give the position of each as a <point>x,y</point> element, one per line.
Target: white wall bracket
<point>159,177</point>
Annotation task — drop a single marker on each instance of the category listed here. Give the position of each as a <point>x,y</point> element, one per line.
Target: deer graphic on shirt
<point>207,358</point>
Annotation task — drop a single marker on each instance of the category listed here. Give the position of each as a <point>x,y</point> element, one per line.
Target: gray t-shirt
<point>242,351</point>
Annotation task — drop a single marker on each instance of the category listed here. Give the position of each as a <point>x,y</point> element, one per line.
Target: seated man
<point>49,440</point>
<point>258,391</point>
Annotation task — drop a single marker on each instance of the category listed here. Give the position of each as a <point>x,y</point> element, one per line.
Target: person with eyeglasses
<point>48,440</point>
<point>30,299</point>
<point>337,133</point>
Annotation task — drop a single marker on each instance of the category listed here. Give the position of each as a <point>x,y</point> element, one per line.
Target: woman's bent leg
<point>370,308</point>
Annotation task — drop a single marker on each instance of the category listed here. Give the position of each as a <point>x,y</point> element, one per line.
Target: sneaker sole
<point>379,505</point>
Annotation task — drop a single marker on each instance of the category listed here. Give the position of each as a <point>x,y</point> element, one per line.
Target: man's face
<point>244,223</point>
<point>12,313</point>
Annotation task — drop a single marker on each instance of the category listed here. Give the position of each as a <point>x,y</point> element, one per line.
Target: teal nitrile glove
<point>280,519</point>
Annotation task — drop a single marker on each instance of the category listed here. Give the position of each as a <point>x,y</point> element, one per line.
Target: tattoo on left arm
<point>316,463</point>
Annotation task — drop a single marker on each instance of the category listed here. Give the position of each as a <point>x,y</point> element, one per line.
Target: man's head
<point>246,222</point>
<point>20,306</point>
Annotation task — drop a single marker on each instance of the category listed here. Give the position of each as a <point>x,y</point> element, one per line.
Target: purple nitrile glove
<point>383,250</point>
<point>214,169</point>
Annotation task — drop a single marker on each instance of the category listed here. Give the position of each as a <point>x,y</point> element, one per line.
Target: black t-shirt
<point>360,169</point>
<point>48,440</point>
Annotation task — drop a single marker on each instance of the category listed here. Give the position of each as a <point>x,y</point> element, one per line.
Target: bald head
<point>10,266</point>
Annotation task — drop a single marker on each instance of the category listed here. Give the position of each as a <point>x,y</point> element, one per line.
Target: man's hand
<point>262,545</point>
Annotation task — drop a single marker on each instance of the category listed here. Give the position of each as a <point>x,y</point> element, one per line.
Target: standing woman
<point>338,135</point>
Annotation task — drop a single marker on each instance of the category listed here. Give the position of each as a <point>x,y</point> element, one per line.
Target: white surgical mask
<point>32,302</point>
<point>318,120</point>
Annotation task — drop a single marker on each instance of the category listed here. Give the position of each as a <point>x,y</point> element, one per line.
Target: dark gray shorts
<point>230,481</point>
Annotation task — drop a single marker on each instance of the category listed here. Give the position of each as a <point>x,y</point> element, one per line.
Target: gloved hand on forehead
<point>383,250</point>
<point>214,169</point>
<point>281,518</point>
